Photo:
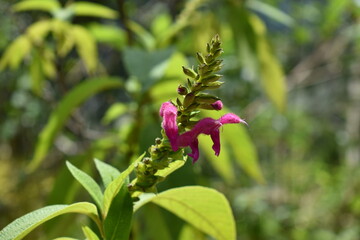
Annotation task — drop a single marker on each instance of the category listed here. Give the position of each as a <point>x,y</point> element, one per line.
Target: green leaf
<point>272,76</point>
<point>39,30</point>
<point>22,226</point>
<point>189,232</point>
<point>107,172</point>
<point>173,166</point>
<point>48,5</point>
<point>16,52</point>
<point>332,14</point>
<point>93,10</point>
<point>85,46</point>
<point>114,187</point>
<point>154,223</point>
<point>59,116</point>
<point>147,67</point>
<point>117,223</point>
<point>146,39</point>
<point>244,150</point>
<point>271,12</point>
<point>89,234</point>
<point>204,208</point>
<point>115,111</point>
<point>236,137</point>
<point>222,163</point>
<point>88,183</point>
<point>111,35</point>
<point>160,24</point>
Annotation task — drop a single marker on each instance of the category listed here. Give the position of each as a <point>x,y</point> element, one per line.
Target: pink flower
<point>169,114</point>
<point>206,126</point>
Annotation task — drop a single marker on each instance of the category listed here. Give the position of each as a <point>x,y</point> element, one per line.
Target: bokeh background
<point>80,81</point>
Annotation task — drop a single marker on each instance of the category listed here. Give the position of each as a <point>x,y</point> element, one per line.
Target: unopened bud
<point>206,98</point>
<point>218,52</point>
<point>211,78</point>
<point>200,58</point>
<point>218,105</point>
<point>146,160</point>
<point>189,99</point>
<point>208,48</point>
<point>189,72</point>
<point>214,85</point>
<point>158,141</point>
<point>182,90</point>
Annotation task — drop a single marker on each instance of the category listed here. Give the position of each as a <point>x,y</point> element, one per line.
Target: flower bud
<point>147,160</point>
<point>189,72</point>
<point>211,78</point>
<point>214,85</point>
<point>189,99</point>
<point>206,98</point>
<point>218,105</point>
<point>200,58</point>
<point>182,90</point>
<point>218,52</point>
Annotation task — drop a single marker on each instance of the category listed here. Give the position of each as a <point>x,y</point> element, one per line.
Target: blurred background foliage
<point>82,80</point>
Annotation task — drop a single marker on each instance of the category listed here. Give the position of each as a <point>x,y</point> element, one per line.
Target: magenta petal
<point>206,126</point>
<point>215,136</point>
<point>169,113</point>
<point>231,118</point>
<point>195,150</point>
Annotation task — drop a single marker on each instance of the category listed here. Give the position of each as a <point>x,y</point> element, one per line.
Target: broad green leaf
<point>117,223</point>
<point>160,24</point>
<point>107,172</point>
<point>222,163</point>
<point>111,35</point>
<point>164,91</point>
<point>63,34</point>
<point>22,226</point>
<point>154,223</point>
<point>173,166</point>
<point>114,187</point>
<point>188,232</point>
<point>174,67</point>
<point>204,208</point>
<point>85,46</point>
<point>115,111</point>
<point>244,150</point>
<point>90,9</point>
<point>236,136</point>
<point>88,183</point>
<point>272,76</point>
<point>89,234</point>
<point>26,5</point>
<point>39,30</point>
<point>147,67</point>
<point>146,39</point>
<point>16,52</point>
<point>59,116</point>
<point>271,12</point>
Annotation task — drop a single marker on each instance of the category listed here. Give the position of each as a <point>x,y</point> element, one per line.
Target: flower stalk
<point>179,128</point>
